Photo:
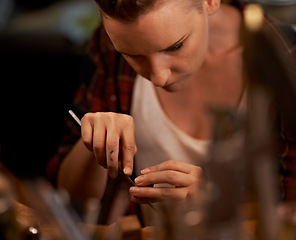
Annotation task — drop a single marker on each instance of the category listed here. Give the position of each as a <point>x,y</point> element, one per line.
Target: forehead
<point>157,29</point>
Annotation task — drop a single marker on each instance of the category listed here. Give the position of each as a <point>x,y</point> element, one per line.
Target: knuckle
<point>109,115</point>
<point>98,145</point>
<point>128,147</point>
<point>166,192</point>
<point>87,117</point>
<point>105,117</point>
<point>157,168</point>
<point>197,171</point>
<point>128,120</point>
<point>200,174</point>
<point>171,163</point>
<point>115,118</point>
<point>92,117</point>
<point>171,175</point>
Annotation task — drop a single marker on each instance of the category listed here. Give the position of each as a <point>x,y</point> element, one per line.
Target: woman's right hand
<point>111,137</point>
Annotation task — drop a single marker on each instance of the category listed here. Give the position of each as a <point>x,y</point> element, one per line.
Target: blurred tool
<point>271,83</point>
<point>283,10</point>
<point>226,173</point>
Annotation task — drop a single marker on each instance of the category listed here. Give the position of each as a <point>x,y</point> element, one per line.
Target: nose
<point>159,71</point>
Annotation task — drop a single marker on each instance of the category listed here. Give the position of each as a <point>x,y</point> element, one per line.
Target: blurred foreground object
<point>241,198</point>
<point>9,229</point>
<point>34,210</point>
<point>283,10</point>
<point>271,80</point>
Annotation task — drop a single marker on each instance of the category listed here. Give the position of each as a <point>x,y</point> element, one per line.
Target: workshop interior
<point>42,62</point>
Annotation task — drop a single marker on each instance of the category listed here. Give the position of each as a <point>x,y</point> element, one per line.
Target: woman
<point>187,56</point>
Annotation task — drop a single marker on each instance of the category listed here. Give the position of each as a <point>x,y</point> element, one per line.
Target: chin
<point>176,86</point>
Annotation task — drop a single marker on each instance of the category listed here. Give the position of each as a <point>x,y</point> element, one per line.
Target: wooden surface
<point>31,210</point>
<point>125,228</point>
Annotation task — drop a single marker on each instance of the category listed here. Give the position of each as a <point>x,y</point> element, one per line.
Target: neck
<point>224,29</point>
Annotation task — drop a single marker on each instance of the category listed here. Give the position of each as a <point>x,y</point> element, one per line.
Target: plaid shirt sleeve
<point>108,90</point>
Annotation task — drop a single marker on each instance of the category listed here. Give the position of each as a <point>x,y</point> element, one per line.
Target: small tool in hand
<point>120,170</point>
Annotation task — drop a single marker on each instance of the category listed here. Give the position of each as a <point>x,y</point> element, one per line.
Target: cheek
<point>196,54</point>
<point>190,62</point>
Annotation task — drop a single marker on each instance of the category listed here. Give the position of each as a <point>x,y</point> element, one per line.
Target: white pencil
<point>75,117</point>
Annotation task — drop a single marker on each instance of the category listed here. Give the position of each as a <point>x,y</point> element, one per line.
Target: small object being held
<point>120,170</point>
<point>73,115</point>
<point>130,181</point>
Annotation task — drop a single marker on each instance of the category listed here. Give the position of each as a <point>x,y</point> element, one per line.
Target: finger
<point>87,131</point>
<point>169,165</point>
<point>158,193</point>
<point>128,147</point>
<point>175,178</point>
<point>112,150</point>
<point>99,143</point>
<point>142,200</point>
<point>137,200</point>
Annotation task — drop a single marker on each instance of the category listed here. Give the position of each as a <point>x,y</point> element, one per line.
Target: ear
<point>211,6</point>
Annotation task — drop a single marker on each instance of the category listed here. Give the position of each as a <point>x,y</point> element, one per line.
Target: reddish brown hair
<point>129,10</point>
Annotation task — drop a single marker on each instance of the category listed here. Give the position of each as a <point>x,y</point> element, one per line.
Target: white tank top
<point>157,138</point>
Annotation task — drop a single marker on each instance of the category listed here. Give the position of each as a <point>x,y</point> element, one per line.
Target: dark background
<point>39,73</point>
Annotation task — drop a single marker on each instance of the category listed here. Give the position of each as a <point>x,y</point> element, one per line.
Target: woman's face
<point>166,45</point>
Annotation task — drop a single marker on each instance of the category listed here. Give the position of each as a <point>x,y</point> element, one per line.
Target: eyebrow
<point>182,39</point>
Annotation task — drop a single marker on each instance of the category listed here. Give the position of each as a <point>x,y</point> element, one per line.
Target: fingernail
<point>127,171</point>
<point>134,190</point>
<point>139,179</point>
<point>146,170</point>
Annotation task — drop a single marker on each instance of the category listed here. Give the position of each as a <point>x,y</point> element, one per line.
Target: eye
<point>176,47</point>
<point>130,56</point>
<point>125,55</point>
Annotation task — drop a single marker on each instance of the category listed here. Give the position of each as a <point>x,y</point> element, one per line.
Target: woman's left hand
<point>185,177</point>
